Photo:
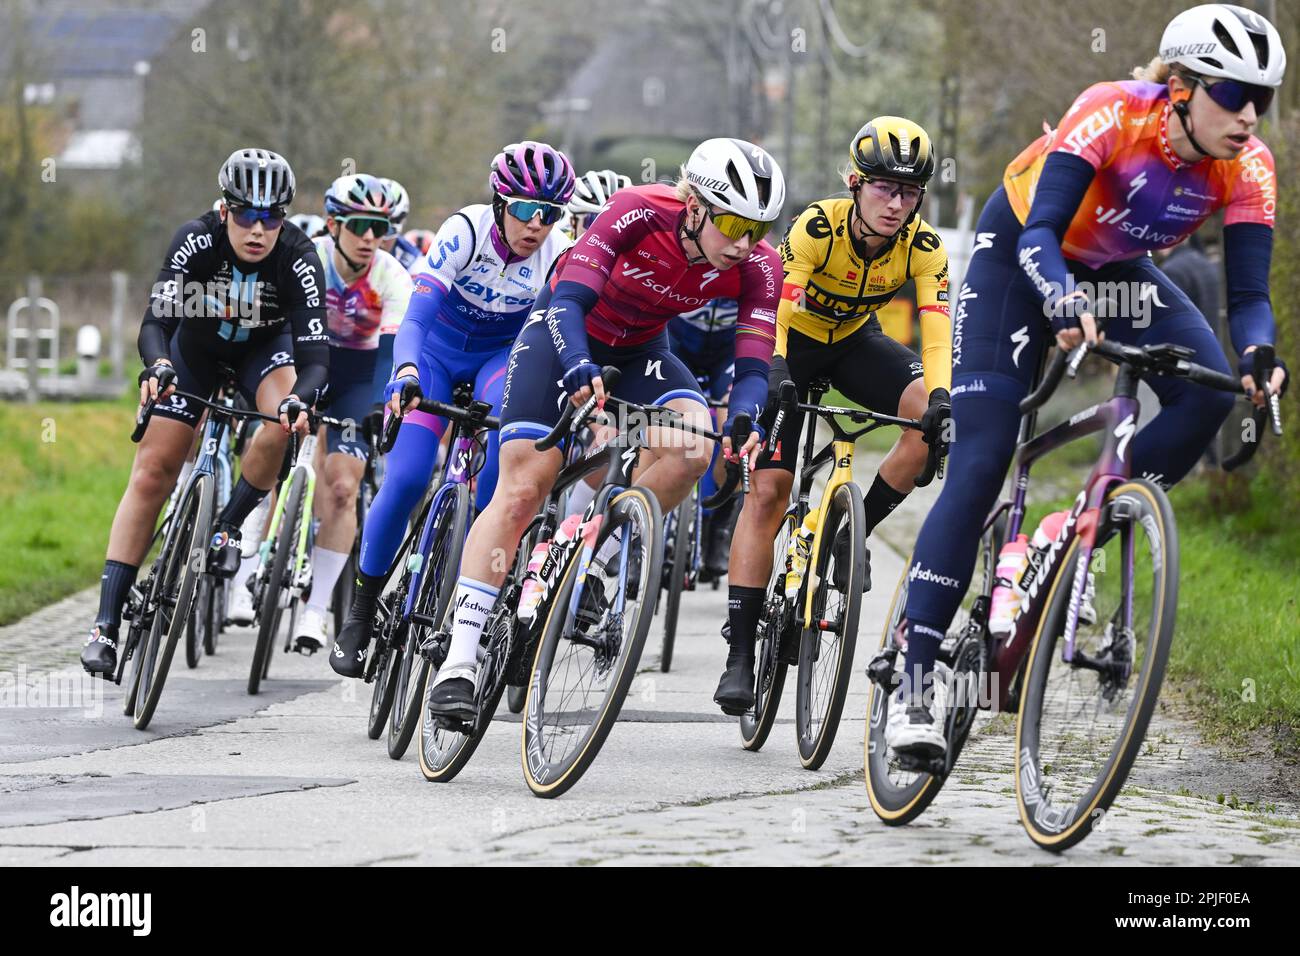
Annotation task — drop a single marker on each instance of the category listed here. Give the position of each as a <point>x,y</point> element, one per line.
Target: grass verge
<point>62,470</point>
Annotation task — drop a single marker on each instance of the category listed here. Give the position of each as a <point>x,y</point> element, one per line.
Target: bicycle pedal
<point>881,671</point>
<point>935,766</point>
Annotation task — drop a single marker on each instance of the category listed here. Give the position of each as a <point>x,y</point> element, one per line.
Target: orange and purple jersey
<point>1143,196</point>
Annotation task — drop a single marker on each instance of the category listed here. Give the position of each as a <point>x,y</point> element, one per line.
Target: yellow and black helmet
<point>891,147</point>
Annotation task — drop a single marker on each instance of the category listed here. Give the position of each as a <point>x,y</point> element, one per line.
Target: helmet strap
<point>338,247</point>
<point>694,236</point>
<point>889,239</point>
<point>1181,109</point>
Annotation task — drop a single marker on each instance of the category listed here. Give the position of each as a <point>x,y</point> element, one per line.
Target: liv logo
<point>75,909</point>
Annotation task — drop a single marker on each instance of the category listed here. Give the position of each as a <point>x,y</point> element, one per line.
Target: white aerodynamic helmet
<point>738,177</point>
<point>593,189</point>
<point>311,224</point>
<point>1226,41</point>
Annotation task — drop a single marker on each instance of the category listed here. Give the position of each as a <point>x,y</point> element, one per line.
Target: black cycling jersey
<point>226,306</point>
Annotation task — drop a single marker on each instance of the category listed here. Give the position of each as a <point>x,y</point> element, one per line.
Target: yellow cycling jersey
<point>831,290</point>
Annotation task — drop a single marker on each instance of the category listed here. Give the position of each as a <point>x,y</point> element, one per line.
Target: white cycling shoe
<point>309,637</point>
<point>240,610</point>
<point>915,729</point>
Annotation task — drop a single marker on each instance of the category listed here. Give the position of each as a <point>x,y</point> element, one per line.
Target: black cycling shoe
<point>99,655</point>
<point>348,657</point>
<point>223,553</point>
<point>453,699</point>
<point>735,693</point>
<point>840,560</point>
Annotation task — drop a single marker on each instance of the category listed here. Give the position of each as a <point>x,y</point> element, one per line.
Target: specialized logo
<point>654,367</point>
<point>709,277</point>
<point>1020,338</point>
<point>1124,432</point>
<point>1096,125</point>
<point>983,240</point>
<point>631,216</point>
<point>1137,182</point>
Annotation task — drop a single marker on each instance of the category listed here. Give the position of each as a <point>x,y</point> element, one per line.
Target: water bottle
<point>532,590</point>
<point>1044,535</point>
<point>799,552</point>
<point>1012,561</point>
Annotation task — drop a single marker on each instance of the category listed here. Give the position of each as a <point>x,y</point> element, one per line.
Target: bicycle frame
<point>1118,418</point>
<point>302,463</point>
<point>837,452</point>
<point>455,471</point>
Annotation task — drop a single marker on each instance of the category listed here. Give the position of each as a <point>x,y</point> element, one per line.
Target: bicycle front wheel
<point>448,523</point>
<point>826,650</point>
<point>585,665</point>
<point>775,630</point>
<point>275,598</point>
<point>1083,720</point>
<point>180,564</point>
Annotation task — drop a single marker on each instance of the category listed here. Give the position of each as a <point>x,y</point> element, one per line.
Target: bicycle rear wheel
<point>583,669</point>
<point>826,648</point>
<point>180,563</point>
<point>449,521</point>
<point>1082,722</point>
<point>775,626</point>
<point>680,530</point>
<point>275,598</point>
<point>216,616</point>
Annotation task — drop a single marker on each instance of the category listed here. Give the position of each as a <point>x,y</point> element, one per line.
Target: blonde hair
<point>1157,71</point>
<point>682,188</point>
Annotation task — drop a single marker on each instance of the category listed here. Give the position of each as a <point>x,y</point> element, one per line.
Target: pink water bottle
<point>532,590</point>
<point>1006,601</point>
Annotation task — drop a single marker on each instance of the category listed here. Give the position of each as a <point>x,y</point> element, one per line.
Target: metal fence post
<point>33,336</point>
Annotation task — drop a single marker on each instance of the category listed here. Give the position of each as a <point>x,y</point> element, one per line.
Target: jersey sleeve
<point>1253,190</point>
<point>930,273</point>
<point>450,252</point>
<point>802,252</point>
<point>395,293</point>
<point>187,256</point>
<point>304,304</point>
<point>1092,126</point>
<point>756,312</point>
<point>624,221</point>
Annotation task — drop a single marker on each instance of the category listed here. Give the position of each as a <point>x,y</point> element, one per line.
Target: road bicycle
<point>429,558</point>
<point>159,607</point>
<point>810,620</point>
<point>569,627</point>
<point>1084,660</point>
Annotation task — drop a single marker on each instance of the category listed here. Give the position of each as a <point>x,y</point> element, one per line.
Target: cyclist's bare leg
<point>526,477</point>
<point>676,459</point>
<point>336,504</point>
<point>760,517</point>
<point>265,452</point>
<point>157,464</point>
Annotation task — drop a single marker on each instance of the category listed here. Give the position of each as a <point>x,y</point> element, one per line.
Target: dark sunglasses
<point>1233,95</point>
<point>360,225</point>
<point>247,217</point>
<point>526,209</point>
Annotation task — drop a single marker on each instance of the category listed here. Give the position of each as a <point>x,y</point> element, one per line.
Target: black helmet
<point>893,148</point>
<point>256,177</point>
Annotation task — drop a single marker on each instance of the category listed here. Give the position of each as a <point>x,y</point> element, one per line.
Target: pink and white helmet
<point>533,171</point>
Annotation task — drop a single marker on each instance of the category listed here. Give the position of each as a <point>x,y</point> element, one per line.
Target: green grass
<point>62,470</point>
<point>1239,610</point>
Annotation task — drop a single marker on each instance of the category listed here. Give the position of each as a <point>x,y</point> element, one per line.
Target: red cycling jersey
<point>632,259</point>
